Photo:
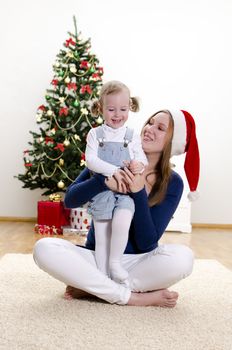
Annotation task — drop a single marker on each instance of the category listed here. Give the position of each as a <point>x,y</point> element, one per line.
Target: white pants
<point>76,266</point>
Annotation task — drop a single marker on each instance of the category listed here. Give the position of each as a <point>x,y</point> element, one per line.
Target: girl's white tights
<point>102,244</point>
<point>111,239</point>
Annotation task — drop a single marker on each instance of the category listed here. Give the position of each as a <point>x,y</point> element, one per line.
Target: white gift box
<point>69,231</point>
<point>80,219</point>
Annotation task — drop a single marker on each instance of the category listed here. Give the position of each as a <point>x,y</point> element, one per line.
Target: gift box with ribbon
<point>53,214</point>
<point>47,230</point>
<point>80,219</point>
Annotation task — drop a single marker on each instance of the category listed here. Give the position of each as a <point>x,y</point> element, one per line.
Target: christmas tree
<point>56,155</point>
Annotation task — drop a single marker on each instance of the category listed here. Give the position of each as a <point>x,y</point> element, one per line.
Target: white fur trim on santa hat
<point>179,133</point>
<point>193,196</point>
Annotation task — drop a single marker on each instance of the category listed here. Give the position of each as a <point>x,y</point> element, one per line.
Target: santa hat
<point>184,141</point>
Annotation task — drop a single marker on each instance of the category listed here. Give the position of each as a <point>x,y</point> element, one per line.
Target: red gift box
<point>53,214</point>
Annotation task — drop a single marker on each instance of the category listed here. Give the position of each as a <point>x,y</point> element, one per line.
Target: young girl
<point>109,148</point>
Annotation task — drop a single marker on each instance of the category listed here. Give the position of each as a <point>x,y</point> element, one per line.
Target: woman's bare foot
<point>75,293</point>
<point>162,298</point>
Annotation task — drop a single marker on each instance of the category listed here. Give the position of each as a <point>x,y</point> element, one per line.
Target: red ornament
<point>28,165</point>
<point>84,64</point>
<point>100,70</point>
<point>55,82</point>
<point>82,156</point>
<point>42,107</point>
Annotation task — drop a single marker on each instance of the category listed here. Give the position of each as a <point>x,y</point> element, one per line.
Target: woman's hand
<point>117,183</point>
<point>136,182</point>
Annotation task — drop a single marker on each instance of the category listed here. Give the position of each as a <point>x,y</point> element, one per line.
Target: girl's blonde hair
<point>113,87</point>
<point>163,168</point>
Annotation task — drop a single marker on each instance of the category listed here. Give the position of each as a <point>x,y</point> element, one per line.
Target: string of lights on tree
<point>56,154</point>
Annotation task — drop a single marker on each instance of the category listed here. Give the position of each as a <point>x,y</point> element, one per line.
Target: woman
<point>156,194</point>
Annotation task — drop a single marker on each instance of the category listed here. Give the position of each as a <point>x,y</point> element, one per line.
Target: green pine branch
<point>55,156</point>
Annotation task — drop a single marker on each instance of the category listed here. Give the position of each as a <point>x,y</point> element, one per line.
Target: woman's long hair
<point>162,170</point>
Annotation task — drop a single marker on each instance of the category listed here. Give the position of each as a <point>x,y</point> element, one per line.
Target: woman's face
<point>154,133</point>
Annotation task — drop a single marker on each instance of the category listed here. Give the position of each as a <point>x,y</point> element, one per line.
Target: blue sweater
<point>148,224</point>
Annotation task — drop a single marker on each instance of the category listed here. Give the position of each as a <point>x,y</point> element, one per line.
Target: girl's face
<point>115,109</point>
<point>154,133</point>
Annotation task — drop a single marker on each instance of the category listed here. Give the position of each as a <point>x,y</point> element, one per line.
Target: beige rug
<point>33,314</point>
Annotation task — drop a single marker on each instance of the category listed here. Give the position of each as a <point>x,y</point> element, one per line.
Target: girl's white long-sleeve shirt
<point>99,166</point>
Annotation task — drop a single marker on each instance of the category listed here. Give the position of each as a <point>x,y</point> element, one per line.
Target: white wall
<point>170,53</point>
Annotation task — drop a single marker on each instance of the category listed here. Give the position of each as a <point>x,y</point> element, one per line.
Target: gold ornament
<point>69,54</point>
<point>61,99</point>
<point>77,137</point>
<point>61,162</point>
<point>73,69</point>
<point>41,139</point>
<point>99,120</point>
<point>84,111</point>
<point>67,80</point>
<point>66,143</point>
<point>60,184</point>
<point>49,112</point>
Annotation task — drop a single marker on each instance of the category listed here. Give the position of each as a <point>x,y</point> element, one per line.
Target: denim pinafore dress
<point>102,206</point>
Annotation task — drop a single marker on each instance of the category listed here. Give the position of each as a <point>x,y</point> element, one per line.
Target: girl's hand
<point>136,167</point>
<point>135,182</point>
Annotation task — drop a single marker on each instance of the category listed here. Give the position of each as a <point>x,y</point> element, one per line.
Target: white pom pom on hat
<point>185,141</point>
